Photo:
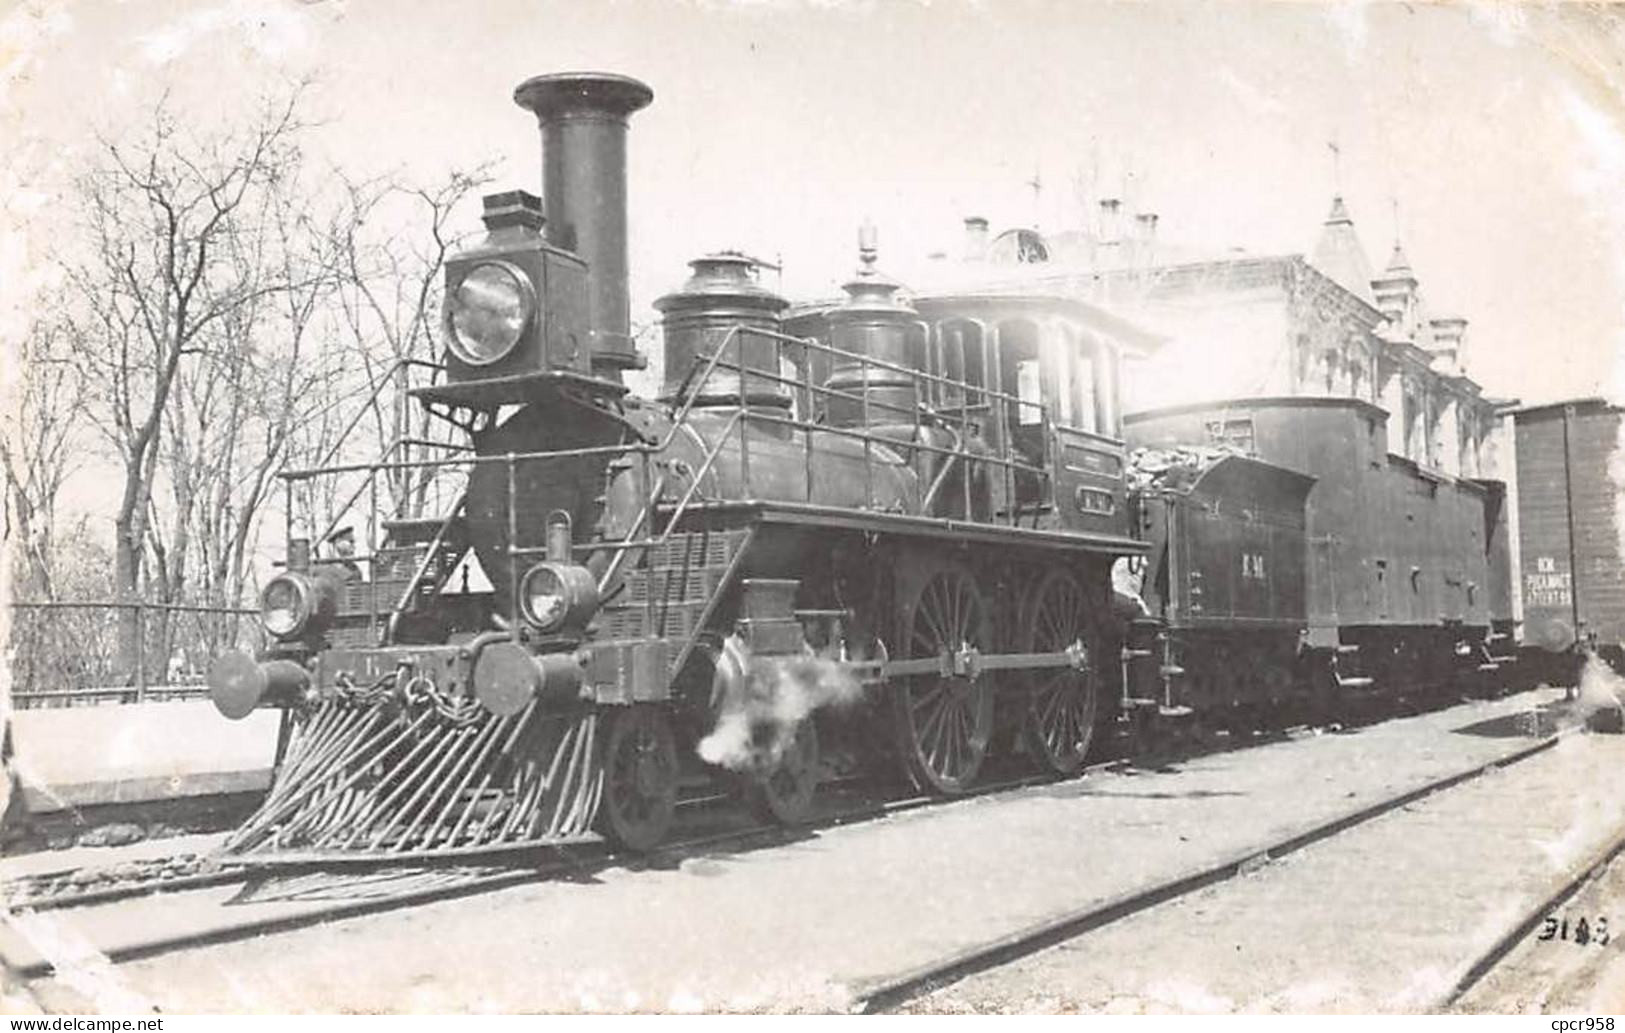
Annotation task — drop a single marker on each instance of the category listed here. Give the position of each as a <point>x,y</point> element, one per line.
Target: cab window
<point>961,358</point>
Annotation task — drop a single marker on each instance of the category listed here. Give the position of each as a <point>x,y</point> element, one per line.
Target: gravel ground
<point>791,927</point>
<point>1383,918</point>
<point>1558,971</point>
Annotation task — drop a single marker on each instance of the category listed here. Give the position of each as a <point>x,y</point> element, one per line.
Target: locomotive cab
<point>1041,381</point>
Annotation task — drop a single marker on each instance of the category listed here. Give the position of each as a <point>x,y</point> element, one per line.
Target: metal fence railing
<point>81,653</point>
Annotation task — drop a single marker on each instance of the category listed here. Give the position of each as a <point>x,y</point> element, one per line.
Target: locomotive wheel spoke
<point>943,724</point>
<point>1062,702</point>
<point>640,778</point>
<point>785,794</point>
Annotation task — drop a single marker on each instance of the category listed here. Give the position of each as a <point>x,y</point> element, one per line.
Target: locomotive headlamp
<point>296,605</point>
<point>553,596</point>
<point>285,605</point>
<point>487,312</point>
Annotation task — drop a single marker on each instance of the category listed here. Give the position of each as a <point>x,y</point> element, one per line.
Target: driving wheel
<point>943,721</point>
<point>1061,701</point>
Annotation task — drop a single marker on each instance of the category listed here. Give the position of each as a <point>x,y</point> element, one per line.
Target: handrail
<point>686,398</point>
<point>377,389</point>
<point>373,469</point>
<point>423,565</point>
<point>125,604</point>
<point>624,546</point>
<point>814,344</point>
<point>623,549</point>
<point>699,475</point>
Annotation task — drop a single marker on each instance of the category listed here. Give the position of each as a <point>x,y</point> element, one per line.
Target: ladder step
<point>1171,671</point>
<point>1355,683</point>
<point>1137,702</point>
<point>1175,713</point>
<point>1346,649</point>
<point>1136,654</point>
<point>1489,667</point>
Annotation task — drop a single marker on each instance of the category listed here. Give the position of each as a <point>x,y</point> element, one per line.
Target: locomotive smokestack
<point>582,116</point>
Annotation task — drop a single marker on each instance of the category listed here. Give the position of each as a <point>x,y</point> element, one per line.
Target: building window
<point>1236,433</point>
<point>1413,423</point>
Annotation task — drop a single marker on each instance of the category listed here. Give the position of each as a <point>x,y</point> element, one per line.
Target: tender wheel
<point>785,794</point>
<point>640,778</point>
<point>1061,701</point>
<point>943,724</point>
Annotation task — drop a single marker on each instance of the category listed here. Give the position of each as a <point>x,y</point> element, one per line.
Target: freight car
<point>1568,499</point>
<point>1406,568</point>
<point>891,537</point>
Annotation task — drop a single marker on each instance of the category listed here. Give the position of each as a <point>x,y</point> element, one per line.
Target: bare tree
<point>225,316</point>
<point>235,415</point>
<point>37,453</point>
<point>156,283</point>
<point>390,302</point>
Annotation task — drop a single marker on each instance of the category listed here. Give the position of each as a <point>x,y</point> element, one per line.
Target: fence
<point>73,654</point>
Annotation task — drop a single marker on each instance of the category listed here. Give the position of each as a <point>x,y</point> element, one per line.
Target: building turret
<point>1395,292</point>
<point>1340,255</point>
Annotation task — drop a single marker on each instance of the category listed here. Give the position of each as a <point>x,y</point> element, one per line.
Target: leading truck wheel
<point>784,793</point>
<point>944,721</point>
<point>640,778</point>
<point>1061,701</point>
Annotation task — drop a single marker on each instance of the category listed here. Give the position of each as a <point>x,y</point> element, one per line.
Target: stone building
<point>1240,325</point>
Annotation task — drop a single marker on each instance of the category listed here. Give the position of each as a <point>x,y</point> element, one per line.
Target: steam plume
<point>765,699</point>
<point>1601,689</point>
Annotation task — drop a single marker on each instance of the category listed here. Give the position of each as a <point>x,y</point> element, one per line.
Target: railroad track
<point>1563,889</point>
<point>893,992</point>
<point>95,885</point>
<point>382,888</point>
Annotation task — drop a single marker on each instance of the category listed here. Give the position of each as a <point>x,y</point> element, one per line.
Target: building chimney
<point>975,238</point>
<point>1109,240</point>
<point>1448,335</point>
<point>1111,221</point>
<point>1145,236</point>
<point>583,116</point>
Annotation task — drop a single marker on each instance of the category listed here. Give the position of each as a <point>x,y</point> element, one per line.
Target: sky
<point>1490,138</point>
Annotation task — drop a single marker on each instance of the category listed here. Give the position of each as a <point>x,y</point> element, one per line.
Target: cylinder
<point>583,116</point>
<point>723,302</point>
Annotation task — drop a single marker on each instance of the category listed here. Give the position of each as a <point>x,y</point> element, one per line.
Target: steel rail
<point>889,993</point>
<point>580,858</point>
<point>227,873</point>
<point>1563,888</point>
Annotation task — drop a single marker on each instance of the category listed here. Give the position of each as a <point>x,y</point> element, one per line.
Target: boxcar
<point>1572,580</point>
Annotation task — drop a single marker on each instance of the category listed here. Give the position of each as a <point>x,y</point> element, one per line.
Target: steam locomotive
<point>884,528</point>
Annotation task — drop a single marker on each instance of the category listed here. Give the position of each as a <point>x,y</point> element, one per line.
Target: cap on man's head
<point>343,534</point>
